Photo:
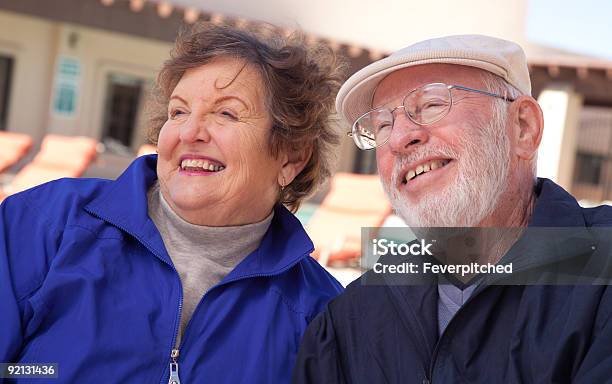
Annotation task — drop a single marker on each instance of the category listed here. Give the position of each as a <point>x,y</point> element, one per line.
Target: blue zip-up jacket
<point>86,282</point>
<point>503,334</point>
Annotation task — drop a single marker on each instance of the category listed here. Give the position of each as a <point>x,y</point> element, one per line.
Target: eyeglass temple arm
<point>481,92</point>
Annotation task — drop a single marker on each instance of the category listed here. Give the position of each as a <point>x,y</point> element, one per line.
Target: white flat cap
<point>500,57</point>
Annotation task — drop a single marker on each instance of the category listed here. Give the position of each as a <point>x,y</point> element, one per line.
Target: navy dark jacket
<point>503,334</point>
<point>86,282</point>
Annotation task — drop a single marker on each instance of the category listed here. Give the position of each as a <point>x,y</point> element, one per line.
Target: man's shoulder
<point>360,298</point>
<point>600,216</point>
<point>557,207</point>
<point>362,287</point>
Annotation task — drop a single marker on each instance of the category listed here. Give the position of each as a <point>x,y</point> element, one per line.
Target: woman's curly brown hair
<point>301,83</point>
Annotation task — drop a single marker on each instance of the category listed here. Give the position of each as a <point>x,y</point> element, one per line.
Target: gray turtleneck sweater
<point>202,255</point>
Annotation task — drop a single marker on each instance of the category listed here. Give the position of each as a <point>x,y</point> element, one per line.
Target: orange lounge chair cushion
<point>359,193</point>
<point>13,146</point>
<point>34,174</point>
<point>353,202</point>
<point>67,152</point>
<point>339,232</point>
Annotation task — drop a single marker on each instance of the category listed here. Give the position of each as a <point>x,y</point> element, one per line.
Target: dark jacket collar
<point>556,231</point>
<point>123,203</point>
<point>555,207</point>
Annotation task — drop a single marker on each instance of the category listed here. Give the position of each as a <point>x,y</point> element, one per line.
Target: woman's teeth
<point>200,165</point>
<point>424,168</point>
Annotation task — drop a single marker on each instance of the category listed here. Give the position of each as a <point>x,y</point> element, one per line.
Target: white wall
<point>31,42</point>
<point>36,44</point>
<point>385,25</point>
<point>101,53</point>
<point>556,156</point>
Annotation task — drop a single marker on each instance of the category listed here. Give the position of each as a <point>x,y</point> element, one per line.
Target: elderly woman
<point>188,266</point>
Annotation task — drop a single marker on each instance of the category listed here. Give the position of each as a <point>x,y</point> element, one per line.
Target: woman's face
<point>214,164</point>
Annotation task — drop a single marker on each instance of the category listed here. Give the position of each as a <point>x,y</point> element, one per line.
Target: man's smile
<point>422,173</point>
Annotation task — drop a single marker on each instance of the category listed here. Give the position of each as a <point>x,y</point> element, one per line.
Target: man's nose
<point>406,134</point>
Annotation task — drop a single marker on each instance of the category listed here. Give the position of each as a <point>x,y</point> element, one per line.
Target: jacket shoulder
<point>598,216</point>
<point>32,225</point>
<point>309,287</point>
<point>314,273</point>
<point>358,300</point>
<point>54,201</point>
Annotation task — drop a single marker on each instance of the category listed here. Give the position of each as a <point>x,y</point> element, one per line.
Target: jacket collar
<point>123,203</point>
<point>556,231</point>
<point>555,207</point>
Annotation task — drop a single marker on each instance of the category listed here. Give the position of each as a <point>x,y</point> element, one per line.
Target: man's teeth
<point>424,168</point>
<point>202,164</point>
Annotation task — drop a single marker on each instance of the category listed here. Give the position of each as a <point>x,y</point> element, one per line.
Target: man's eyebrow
<point>386,104</point>
<point>386,101</point>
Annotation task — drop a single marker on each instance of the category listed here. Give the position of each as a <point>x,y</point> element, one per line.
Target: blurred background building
<point>84,68</point>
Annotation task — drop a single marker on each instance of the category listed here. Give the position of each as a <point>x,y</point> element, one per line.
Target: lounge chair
<point>354,201</point>
<point>13,147</point>
<point>59,156</point>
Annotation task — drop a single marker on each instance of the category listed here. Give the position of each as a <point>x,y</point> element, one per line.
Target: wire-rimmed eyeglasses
<point>425,105</point>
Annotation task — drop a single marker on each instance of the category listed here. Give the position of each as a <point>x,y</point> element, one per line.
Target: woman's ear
<point>293,162</point>
<point>529,126</point>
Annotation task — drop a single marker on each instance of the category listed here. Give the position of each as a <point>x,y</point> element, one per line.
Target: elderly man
<point>456,134</point>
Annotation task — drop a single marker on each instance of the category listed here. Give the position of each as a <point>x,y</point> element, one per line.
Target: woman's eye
<point>175,113</point>
<point>228,115</point>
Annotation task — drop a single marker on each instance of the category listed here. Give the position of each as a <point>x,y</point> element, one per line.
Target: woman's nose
<point>195,129</point>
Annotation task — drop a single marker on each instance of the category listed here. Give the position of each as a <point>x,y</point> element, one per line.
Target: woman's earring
<point>283,184</point>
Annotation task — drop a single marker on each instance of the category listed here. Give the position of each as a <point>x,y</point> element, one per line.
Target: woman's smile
<point>194,165</point>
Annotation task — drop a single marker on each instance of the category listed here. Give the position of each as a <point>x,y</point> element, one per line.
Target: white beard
<point>482,171</point>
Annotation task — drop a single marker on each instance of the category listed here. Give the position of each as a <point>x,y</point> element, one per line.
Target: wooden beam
<point>553,70</point>
<point>136,5</point>
<point>164,9</point>
<point>191,15</point>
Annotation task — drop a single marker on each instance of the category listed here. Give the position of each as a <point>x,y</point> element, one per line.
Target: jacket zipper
<point>174,372</point>
<point>174,353</point>
<point>238,278</point>
<point>476,292</point>
<point>434,356</point>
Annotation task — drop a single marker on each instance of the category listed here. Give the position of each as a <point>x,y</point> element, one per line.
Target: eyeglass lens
<point>425,105</point>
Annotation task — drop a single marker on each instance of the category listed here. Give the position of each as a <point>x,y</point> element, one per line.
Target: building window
<point>6,72</point>
<point>589,168</point>
<point>123,100</point>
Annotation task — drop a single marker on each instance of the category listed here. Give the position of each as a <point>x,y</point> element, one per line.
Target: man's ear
<point>529,126</point>
<point>293,162</point>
